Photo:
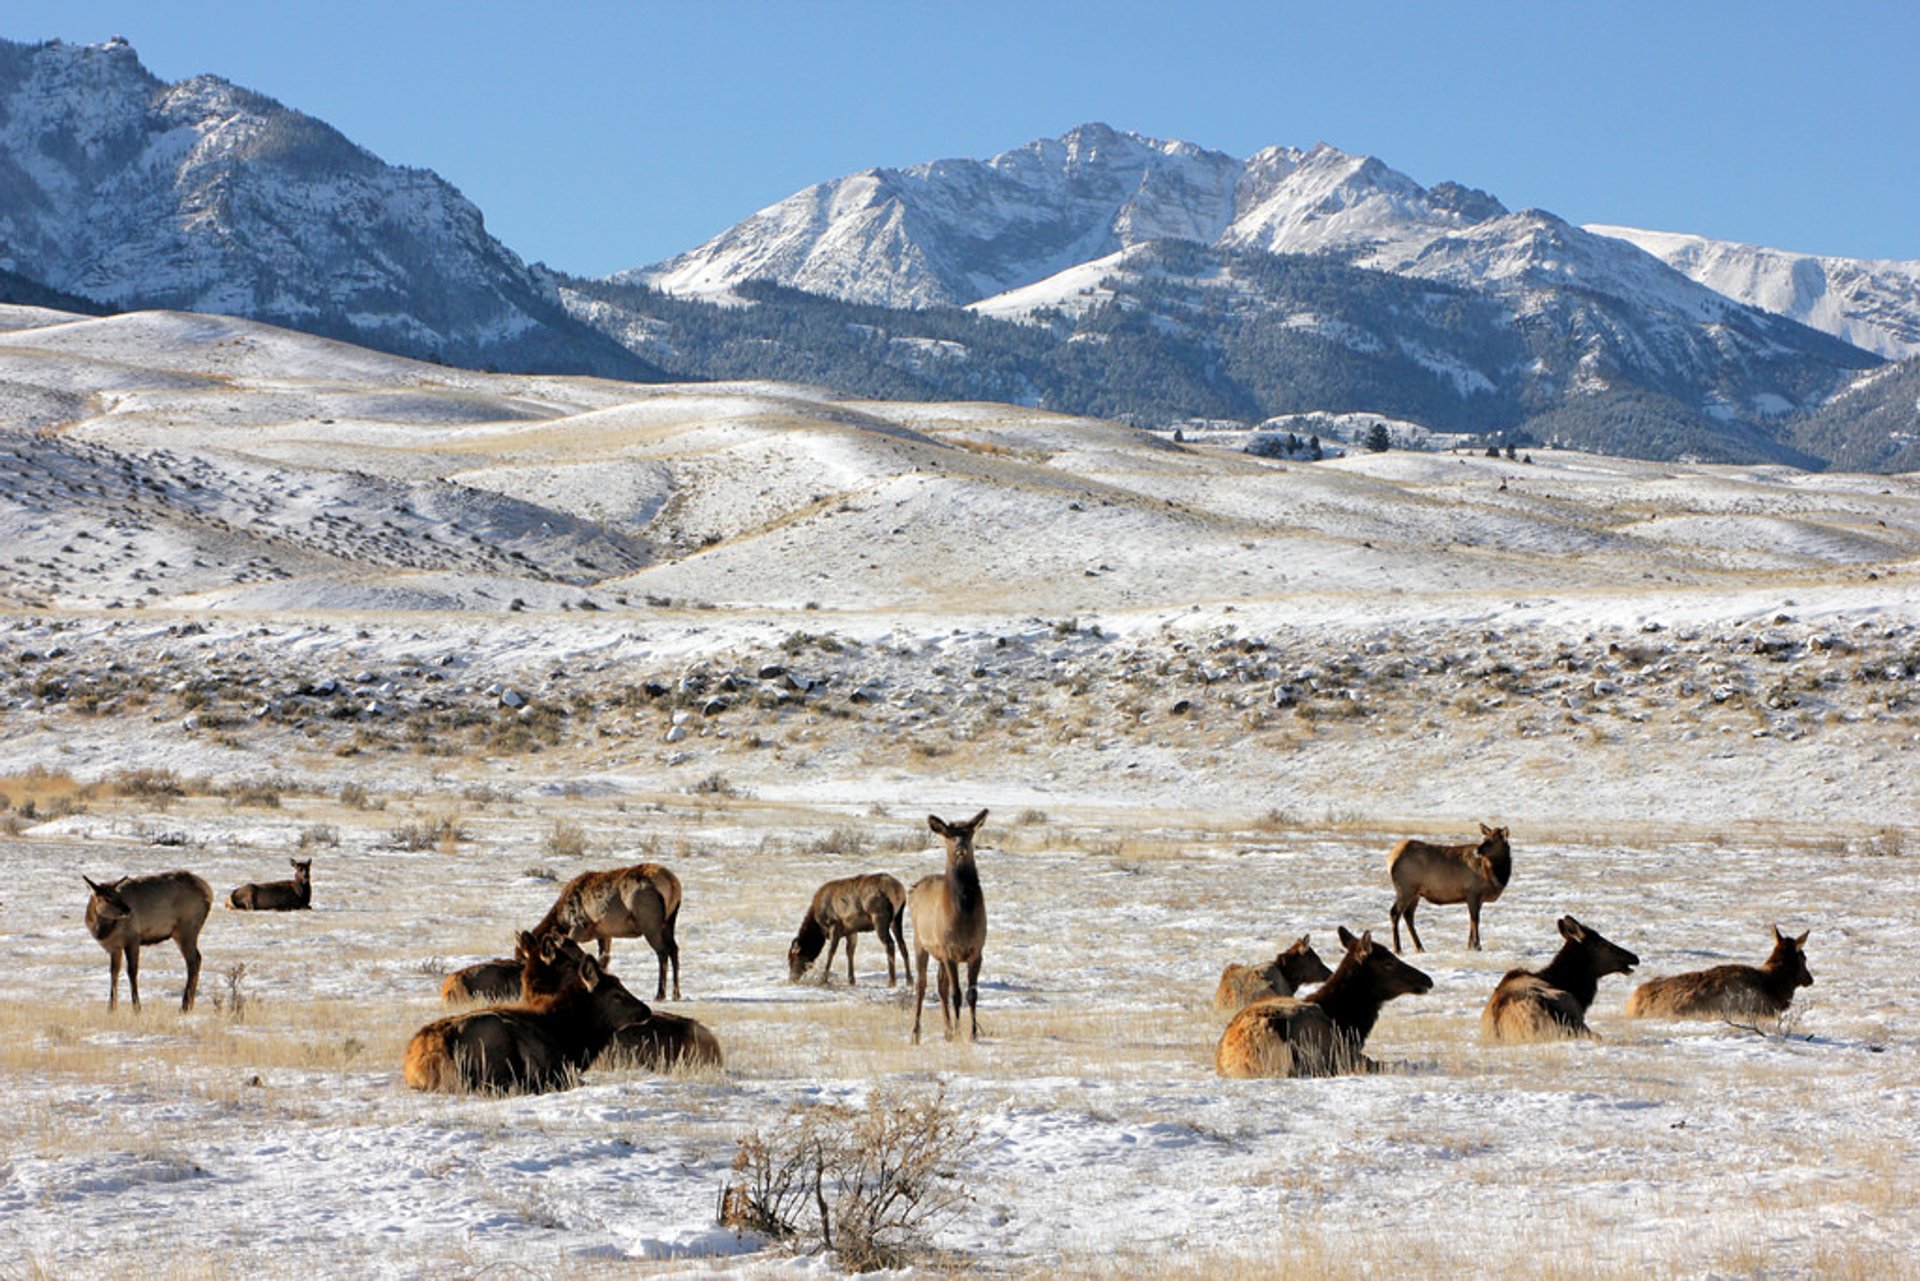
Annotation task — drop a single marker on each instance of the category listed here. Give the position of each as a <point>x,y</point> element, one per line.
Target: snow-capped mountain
<point>1874,304</point>
<point>204,196</point>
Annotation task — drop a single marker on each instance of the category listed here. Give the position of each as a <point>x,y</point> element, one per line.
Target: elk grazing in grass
<point>655,1040</point>
<point>842,909</point>
<point>137,910</point>
<point>1551,1003</point>
<point>642,901</point>
<point>1295,967</point>
<point>1729,991</point>
<point>950,926</point>
<point>1324,1035</point>
<point>535,1046</point>
<point>277,896</point>
<point>1444,874</point>
<point>495,980</point>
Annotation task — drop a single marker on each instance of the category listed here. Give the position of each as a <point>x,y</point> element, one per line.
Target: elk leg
<point>973,995</point>
<point>113,982</point>
<point>850,942</point>
<point>946,987</point>
<point>673,952</point>
<point>1473,926</point>
<point>919,994</point>
<point>1412,933</point>
<point>189,948</point>
<point>826,968</point>
<point>886,939</point>
<point>606,949</point>
<point>133,973</point>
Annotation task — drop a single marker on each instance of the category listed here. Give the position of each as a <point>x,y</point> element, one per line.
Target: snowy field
<point>284,1141</point>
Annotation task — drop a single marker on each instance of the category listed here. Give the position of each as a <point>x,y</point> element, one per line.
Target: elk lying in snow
<point>1287,973</point>
<point>642,901</point>
<point>654,1040</point>
<point>135,910</point>
<point>1541,1005</point>
<point>950,925</point>
<point>840,910</point>
<point>1324,1034</point>
<point>495,980</point>
<point>277,896</point>
<point>1443,874</point>
<point>537,1045</point>
<point>1729,991</point>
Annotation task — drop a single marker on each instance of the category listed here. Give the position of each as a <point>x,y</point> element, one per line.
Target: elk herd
<point>552,1010</point>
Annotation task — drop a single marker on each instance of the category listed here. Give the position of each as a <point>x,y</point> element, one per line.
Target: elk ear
<point>1778,937</point>
<point>1366,943</point>
<point>590,973</point>
<point>976,820</point>
<point>1347,940</point>
<point>1485,830</point>
<point>91,884</point>
<point>1572,930</point>
<point>1301,946</point>
<point>938,826</point>
<point>1802,940</point>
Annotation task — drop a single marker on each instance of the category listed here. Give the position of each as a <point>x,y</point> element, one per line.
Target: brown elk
<point>1552,1002</point>
<point>495,980</point>
<point>950,926</point>
<point>532,1047</point>
<point>1729,991</point>
<point>656,1040</point>
<point>642,901</point>
<point>1444,874</point>
<point>842,909</point>
<point>277,896</point>
<point>1324,1035</point>
<point>1294,968</point>
<point>136,910</point>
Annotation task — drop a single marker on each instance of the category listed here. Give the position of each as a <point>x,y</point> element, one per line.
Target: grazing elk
<point>135,910</point>
<point>1552,1002</point>
<point>842,909</point>
<point>1295,967</point>
<point>1324,1034</point>
<point>950,926</point>
<point>642,901</point>
<point>277,896</point>
<point>1444,874</point>
<point>495,980</point>
<point>654,1040</point>
<point>1729,991</point>
<point>535,1046</point>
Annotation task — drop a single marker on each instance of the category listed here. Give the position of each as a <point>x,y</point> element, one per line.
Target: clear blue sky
<point>597,136</point>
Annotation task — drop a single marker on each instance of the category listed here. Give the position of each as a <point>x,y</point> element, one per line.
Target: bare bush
<point>317,834</point>
<point>566,840</point>
<point>866,1183</point>
<point>441,833</point>
<point>149,783</point>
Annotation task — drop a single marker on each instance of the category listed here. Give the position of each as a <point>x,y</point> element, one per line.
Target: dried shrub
<point>149,783</point>
<point>318,834</point>
<point>442,833</point>
<point>566,840</point>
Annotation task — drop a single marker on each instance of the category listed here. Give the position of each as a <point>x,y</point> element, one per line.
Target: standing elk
<point>842,909</point>
<point>1324,1035</point>
<point>655,1040</point>
<point>1445,874</point>
<point>1552,1002</point>
<point>538,1045</point>
<point>277,896</point>
<point>1294,968</point>
<point>642,901</point>
<point>135,910</point>
<point>950,926</point>
<point>1729,991</point>
<point>495,980</point>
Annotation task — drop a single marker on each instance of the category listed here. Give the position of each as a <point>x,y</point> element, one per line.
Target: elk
<point>135,910</point>
<point>277,896</point>
<point>1294,968</point>
<point>950,926</point>
<point>655,1040</point>
<point>1729,991</point>
<point>537,1045</point>
<point>1324,1034</point>
<point>842,909</point>
<point>642,901</point>
<point>1551,1003</point>
<point>495,980</point>
<point>1444,874</point>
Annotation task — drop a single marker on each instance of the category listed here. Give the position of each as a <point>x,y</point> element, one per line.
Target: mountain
<point>1873,304</point>
<point>134,193</point>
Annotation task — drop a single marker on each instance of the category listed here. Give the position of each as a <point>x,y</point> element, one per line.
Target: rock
<point>512,698</point>
<point>1181,706</point>
<point>676,733</point>
<point>713,706</point>
<point>771,671</point>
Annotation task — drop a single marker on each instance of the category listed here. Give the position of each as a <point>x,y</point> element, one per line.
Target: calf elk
<point>840,910</point>
<point>1287,973</point>
<point>1552,1002</point>
<point>1324,1034</point>
<point>136,910</point>
<point>1442,874</point>
<point>1729,991</point>
<point>642,901</point>
<point>277,896</point>
<point>950,926</point>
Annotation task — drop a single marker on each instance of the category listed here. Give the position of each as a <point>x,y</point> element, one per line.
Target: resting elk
<point>1324,1034</point>
<point>277,896</point>
<point>495,980</point>
<point>1287,973</point>
<point>840,910</point>
<point>1470,874</point>
<point>1729,991</point>
<point>950,926</point>
<point>655,1040</point>
<point>137,910</point>
<point>642,901</point>
<point>1552,1002</point>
